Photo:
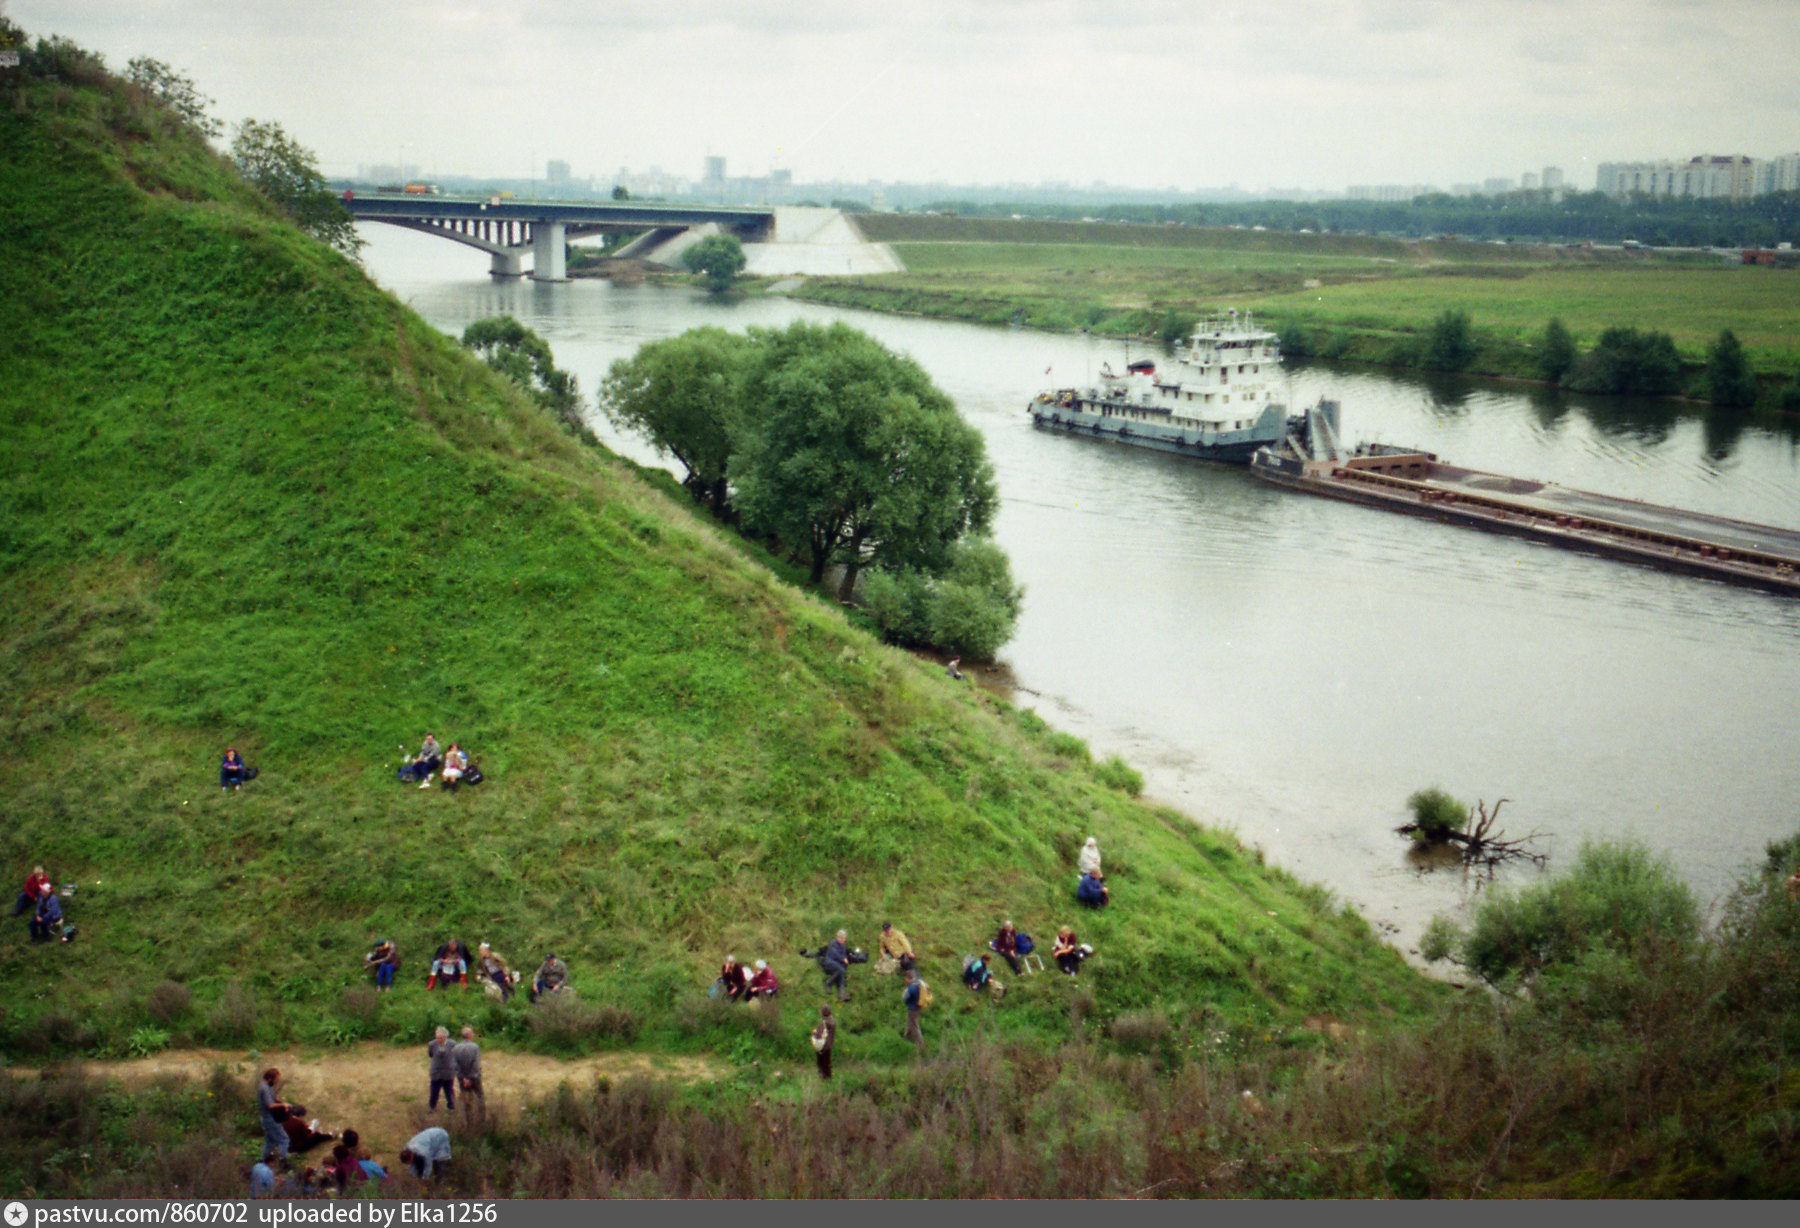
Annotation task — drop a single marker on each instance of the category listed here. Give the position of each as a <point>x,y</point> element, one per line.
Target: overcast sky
<point>1147,93</point>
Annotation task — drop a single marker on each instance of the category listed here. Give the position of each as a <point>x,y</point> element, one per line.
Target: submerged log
<point>1481,843</point>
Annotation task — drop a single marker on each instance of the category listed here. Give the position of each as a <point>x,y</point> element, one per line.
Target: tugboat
<point>1220,402</point>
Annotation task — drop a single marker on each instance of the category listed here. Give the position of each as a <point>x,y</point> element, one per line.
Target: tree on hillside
<point>1730,380</point>
<point>1556,353</point>
<point>524,357</point>
<point>856,457</point>
<point>682,394</point>
<point>720,257</point>
<point>288,174</point>
<point>177,92</point>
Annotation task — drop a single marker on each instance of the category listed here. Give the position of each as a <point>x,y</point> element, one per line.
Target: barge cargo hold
<point>1417,483</point>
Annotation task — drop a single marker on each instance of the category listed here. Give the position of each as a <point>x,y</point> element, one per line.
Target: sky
<point>1190,94</point>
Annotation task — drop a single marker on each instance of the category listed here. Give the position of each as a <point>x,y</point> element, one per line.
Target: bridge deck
<point>617,213</point>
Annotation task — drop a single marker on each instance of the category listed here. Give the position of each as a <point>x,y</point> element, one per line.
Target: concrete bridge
<point>508,229</point>
<point>778,240</point>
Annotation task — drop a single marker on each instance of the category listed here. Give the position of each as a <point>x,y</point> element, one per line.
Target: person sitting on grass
<point>231,770</point>
<point>35,882</point>
<point>763,985</point>
<point>894,946</point>
<point>451,961</point>
<point>1089,859</point>
<point>48,917</point>
<point>1068,952</point>
<point>383,962</point>
<point>1006,945</point>
<point>301,1136</point>
<point>552,975</point>
<point>427,1151</point>
<point>975,972</point>
<point>493,972</point>
<point>733,981</point>
<point>455,765</point>
<point>834,962</point>
<point>1091,890</point>
<point>427,761</point>
<point>262,1174</point>
<point>344,1168</point>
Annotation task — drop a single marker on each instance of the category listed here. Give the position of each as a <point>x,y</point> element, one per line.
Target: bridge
<point>508,229</point>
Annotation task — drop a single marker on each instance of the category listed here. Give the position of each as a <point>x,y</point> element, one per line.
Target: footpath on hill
<point>380,1090</point>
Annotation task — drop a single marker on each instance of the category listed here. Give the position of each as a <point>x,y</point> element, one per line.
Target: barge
<point>1418,483</point>
<point>1221,400</point>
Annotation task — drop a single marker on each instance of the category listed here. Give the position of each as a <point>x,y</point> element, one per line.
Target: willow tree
<point>856,457</point>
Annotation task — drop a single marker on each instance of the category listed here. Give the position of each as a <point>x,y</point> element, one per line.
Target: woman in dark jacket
<point>231,769</point>
<point>823,1038</point>
<point>1006,946</point>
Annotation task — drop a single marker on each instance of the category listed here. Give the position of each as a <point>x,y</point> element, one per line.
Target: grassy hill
<point>248,498</point>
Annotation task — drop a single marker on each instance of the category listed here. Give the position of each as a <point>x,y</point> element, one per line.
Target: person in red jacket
<point>734,982</point>
<point>763,985</point>
<point>35,882</point>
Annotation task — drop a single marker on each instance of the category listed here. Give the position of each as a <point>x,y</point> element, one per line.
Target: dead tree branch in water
<point>1482,844</point>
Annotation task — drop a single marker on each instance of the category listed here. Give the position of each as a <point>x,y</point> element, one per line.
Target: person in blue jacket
<point>231,769</point>
<point>834,962</point>
<point>1092,890</point>
<point>910,998</point>
<point>48,915</point>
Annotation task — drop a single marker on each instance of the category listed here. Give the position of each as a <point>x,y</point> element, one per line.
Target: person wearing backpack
<point>913,996</point>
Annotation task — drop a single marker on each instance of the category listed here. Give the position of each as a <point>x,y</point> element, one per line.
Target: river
<point>1290,668</point>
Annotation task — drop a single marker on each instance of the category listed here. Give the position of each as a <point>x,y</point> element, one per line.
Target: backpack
<point>1025,944</point>
<point>472,776</point>
<point>924,994</point>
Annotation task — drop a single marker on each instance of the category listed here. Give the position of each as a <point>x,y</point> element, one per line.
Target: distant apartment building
<point>556,171</point>
<point>1497,187</point>
<point>1529,181</point>
<point>1553,178</point>
<point>1779,174</point>
<point>1387,191</point>
<point>1709,176</point>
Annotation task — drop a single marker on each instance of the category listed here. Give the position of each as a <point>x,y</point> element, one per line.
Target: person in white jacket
<point>1089,861</point>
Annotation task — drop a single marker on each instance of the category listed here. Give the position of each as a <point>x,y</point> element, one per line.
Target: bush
<point>1730,381</point>
<point>720,258</point>
<point>1069,746</point>
<point>168,1002</point>
<point>1118,774</point>
<point>1556,353</point>
<point>1451,346</point>
<point>1435,815</point>
<point>1625,361</point>
<point>1790,396</point>
<point>233,1016</point>
<point>970,610</point>
<point>1617,897</point>
<point>568,1023</point>
<point>1143,1031</point>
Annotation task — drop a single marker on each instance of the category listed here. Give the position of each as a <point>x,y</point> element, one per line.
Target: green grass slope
<point>248,498</point>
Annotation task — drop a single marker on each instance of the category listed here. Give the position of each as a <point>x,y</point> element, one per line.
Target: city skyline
<point>1289,94</point>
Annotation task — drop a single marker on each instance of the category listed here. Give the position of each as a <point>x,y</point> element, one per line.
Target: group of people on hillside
<point>40,899</point>
<point>736,983</point>
<point>286,1133</point>
<point>452,763</point>
<point>452,963</point>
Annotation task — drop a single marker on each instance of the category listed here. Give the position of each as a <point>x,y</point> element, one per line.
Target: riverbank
<point>1350,298</point>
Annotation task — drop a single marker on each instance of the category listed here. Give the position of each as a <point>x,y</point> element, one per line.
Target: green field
<point>1369,292</point>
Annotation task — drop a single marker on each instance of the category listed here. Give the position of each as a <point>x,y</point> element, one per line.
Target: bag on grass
<point>1026,946</point>
<point>472,776</point>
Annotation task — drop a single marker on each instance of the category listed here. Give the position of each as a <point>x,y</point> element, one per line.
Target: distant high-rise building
<point>1496,187</point>
<point>1708,176</point>
<point>1553,177</point>
<point>715,170</point>
<point>556,171</point>
<point>1465,189</point>
<point>1528,181</point>
<point>1781,174</point>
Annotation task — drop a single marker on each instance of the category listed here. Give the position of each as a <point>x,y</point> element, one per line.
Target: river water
<point>1292,668</point>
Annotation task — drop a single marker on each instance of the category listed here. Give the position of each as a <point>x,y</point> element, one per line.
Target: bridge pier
<point>506,264</point>
<point>547,251</point>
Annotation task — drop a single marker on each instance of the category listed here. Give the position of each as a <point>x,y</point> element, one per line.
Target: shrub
<point>1556,353</point>
<point>1730,381</point>
<point>1143,1031</point>
<point>233,1016</point>
<point>1069,746</point>
<point>1451,346</point>
<point>1790,396</point>
<point>1617,897</point>
<point>566,1023</point>
<point>1118,774</point>
<point>360,1005</point>
<point>1435,815</point>
<point>168,1002</point>
<point>144,1041</point>
<point>969,610</point>
<point>1625,361</point>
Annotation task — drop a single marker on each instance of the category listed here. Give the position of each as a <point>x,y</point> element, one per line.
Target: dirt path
<point>381,1090</point>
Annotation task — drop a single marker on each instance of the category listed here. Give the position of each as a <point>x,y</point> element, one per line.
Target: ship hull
<point>1235,448</point>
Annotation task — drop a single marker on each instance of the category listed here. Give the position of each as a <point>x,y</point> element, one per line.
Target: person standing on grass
<point>823,1038</point>
<point>35,882</point>
<point>275,1136</point>
<point>443,1069</point>
<point>468,1068</point>
<point>910,997</point>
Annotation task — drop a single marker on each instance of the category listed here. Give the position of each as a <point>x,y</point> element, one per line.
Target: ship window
<point>1228,398</point>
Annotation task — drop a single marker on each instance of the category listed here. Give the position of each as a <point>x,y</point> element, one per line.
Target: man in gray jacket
<point>443,1069</point>
<point>468,1069</point>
